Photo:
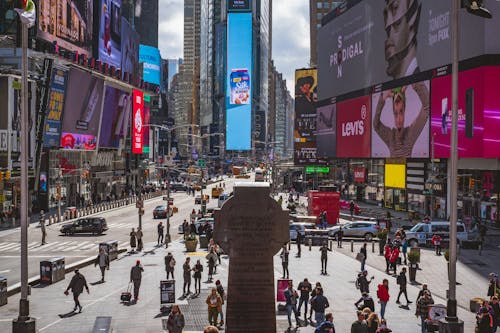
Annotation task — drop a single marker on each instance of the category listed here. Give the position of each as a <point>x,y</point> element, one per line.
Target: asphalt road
<point>78,247</point>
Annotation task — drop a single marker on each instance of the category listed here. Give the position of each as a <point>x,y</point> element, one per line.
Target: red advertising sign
<point>359,175</point>
<point>353,127</point>
<point>137,121</point>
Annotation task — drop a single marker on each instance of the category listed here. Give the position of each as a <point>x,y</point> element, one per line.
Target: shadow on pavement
<point>69,314</point>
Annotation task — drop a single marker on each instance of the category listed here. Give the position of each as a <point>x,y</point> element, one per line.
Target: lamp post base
<point>451,326</point>
<point>23,325</point>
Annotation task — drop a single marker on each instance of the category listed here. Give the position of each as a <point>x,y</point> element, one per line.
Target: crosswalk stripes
<point>9,246</point>
<point>57,246</point>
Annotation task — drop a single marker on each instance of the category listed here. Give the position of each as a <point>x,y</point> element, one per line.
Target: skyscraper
<point>146,23</point>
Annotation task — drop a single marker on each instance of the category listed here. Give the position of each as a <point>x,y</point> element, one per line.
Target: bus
<point>259,175</point>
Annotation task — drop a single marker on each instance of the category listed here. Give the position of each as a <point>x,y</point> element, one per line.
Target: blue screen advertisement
<point>55,106</point>
<point>150,57</point>
<point>239,81</point>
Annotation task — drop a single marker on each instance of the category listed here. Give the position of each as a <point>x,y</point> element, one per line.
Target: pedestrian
<point>198,268</point>
<point>387,256</point>
<point>404,250</point>
<point>186,268</point>
<point>485,321</point>
<point>373,323</point>
<point>364,252</point>
<point>42,227</point>
<point>319,304</point>
<point>421,291</point>
<point>340,236</point>
<point>192,228</point>
<point>76,285</point>
<point>304,289</point>
<point>103,261</point>
<point>495,306</point>
<point>160,233</point>
<point>363,282</point>
<point>359,325</point>
<point>214,303</point>
<point>324,257</point>
<point>133,242</point>
<point>422,309</point>
<point>324,220</point>
<point>299,240</point>
<point>326,326</point>
<point>383,327</point>
<point>222,293</point>
<point>169,264</point>
<point>383,296</point>
<point>284,262</point>
<point>210,329</point>
<point>316,288</point>
<point>211,260</point>
<point>175,321</point>
<point>185,228</point>
<point>139,235</point>
<point>394,258</point>
<point>351,208</point>
<point>493,285</point>
<point>436,241</point>
<point>136,277</point>
<point>367,302</point>
<point>402,282</point>
<point>291,296</point>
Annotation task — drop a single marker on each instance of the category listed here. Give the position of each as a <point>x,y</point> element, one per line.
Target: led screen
<point>130,49</point>
<point>110,30</point>
<point>115,115</point>
<point>150,58</point>
<point>353,127</point>
<point>55,106</point>
<point>239,81</point>
<point>326,130</point>
<point>395,175</point>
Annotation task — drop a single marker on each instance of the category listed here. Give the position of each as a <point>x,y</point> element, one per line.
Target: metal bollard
<point>352,245</point>
<point>331,245</point>
<point>310,241</point>
<point>373,246</point>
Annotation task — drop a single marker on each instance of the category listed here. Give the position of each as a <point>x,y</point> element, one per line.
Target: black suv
<point>93,225</point>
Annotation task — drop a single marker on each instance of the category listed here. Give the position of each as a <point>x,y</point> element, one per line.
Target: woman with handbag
<point>175,321</point>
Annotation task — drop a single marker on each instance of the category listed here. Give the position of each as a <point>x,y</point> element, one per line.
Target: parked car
<point>302,226</point>
<point>198,222</point>
<point>93,225</point>
<point>346,205</point>
<point>175,187</point>
<point>359,229</point>
<point>422,233</point>
<point>160,212</point>
<point>197,199</point>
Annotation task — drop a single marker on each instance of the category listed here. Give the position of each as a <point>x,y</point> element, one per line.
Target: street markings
<point>56,246</point>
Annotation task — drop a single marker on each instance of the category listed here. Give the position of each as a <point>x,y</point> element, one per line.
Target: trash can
<point>52,270</point>
<point>203,241</point>
<point>111,248</point>
<point>3,290</point>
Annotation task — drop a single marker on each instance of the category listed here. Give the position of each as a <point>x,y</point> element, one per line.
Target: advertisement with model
<point>115,116</point>
<point>137,121</point>
<point>68,23</point>
<point>239,81</point>
<point>377,41</point>
<point>400,121</point>
<point>82,111</point>
<point>110,31</point>
<point>130,50</point>
<point>326,137</point>
<point>478,114</point>
<point>150,58</point>
<point>353,127</point>
<point>55,106</point>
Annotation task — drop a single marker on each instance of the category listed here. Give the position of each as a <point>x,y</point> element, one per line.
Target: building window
<point>319,5</point>
<point>326,5</point>
<point>318,26</point>
<point>319,16</point>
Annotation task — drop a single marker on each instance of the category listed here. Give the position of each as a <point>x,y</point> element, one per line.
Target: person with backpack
<point>402,282</point>
<point>383,296</point>
<point>319,304</point>
<point>367,302</point>
<point>291,296</point>
<point>326,326</point>
<point>214,303</point>
<point>169,264</point>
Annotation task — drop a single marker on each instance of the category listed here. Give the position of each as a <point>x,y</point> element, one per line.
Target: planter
<point>413,272</point>
<point>191,245</point>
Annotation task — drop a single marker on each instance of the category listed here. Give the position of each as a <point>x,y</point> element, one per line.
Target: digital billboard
<point>137,121</point>
<point>110,30</point>
<point>395,175</point>
<point>326,137</point>
<point>354,128</point>
<point>82,111</point>
<point>146,121</point>
<point>55,106</point>
<point>239,5</point>
<point>66,22</point>
<point>150,58</point>
<point>239,81</point>
<point>129,50</point>
<point>115,116</point>
<point>480,86</point>
<point>400,121</point>
<point>376,41</point>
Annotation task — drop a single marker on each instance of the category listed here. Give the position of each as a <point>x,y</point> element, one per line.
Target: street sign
<point>139,203</point>
<point>317,169</point>
<point>201,163</point>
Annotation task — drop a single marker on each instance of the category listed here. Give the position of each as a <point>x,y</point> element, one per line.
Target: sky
<point>290,34</point>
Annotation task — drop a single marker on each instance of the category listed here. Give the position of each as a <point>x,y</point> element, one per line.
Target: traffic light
<point>7,175</point>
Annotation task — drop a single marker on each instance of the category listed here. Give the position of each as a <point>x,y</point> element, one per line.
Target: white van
<point>222,198</point>
<point>421,234</point>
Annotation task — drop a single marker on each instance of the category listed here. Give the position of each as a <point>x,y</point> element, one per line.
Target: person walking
<point>364,252</point>
<point>367,302</point>
<point>212,260</point>
<point>326,326</point>
<point>169,264</point>
<point>363,282</point>
<point>359,325</point>
<point>42,227</point>
<point>340,236</point>
<point>324,257</point>
<point>319,304</point>
<point>422,309</point>
<point>185,229</point>
<point>436,241</point>
<point>103,261</point>
<point>314,292</point>
<point>304,289</point>
<point>404,250</point>
<point>222,293</point>
<point>139,235</point>
<point>198,268</point>
<point>76,285</point>
<point>495,306</point>
<point>175,321</point>
<point>291,296</point>
<point>299,240</point>
<point>394,258</point>
<point>402,282</point>
<point>493,285</point>
<point>186,269</point>
<point>422,291</point>
<point>373,323</point>
<point>135,278</point>
<point>284,262</point>
<point>387,256</point>
<point>133,240</point>
<point>160,228</point>
<point>383,296</point>
<point>214,302</point>
<point>485,321</point>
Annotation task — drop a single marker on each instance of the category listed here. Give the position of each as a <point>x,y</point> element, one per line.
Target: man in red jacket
<point>394,258</point>
<point>436,241</point>
<point>383,296</point>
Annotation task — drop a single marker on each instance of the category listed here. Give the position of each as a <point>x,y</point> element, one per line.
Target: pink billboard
<point>353,127</point>
<point>479,87</point>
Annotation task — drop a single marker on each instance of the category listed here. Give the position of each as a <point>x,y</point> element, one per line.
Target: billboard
<point>483,140</point>
<point>137,121</point>
<point>376,41</point>
<point>151,59</point>
<point>115,115</point>
<point>326,137</point>
<point>395,175</point>
<point>129,50</point>
<point>239,5</point>
<point>354,128</point>
<point>67,23</point>
<point>400,121</point>
<point>146,120</point>
<point>55,106</point>
<point>239,81</point>
<point>110,30</point>
<point>82,111</point>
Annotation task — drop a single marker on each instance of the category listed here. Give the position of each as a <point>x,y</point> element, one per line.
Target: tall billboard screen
<point>137,121</point>
<point>110,31</point>
<point>82,111</point>
<point>55,106</point>
<point>239,81</point>
<point>115,116</point>
<point>239,5</point>
<point>354,128</point>
<point>377,41</point>
<point>130,50</point>
<point>400,121</point>
<point>150,57</point>
<point>326,129</point>
<point>67,23</point>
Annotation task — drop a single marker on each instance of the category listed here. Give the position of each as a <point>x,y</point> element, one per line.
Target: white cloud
<point>171,28</point>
